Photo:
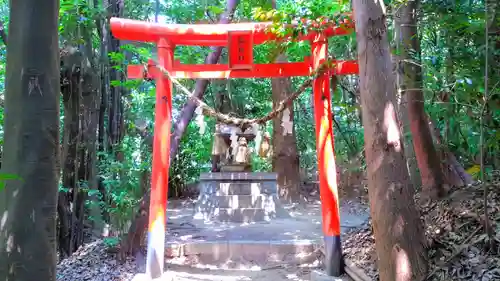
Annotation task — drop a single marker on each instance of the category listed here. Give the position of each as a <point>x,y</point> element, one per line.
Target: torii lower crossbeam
<point>222,71</point>
<point>239,39</point>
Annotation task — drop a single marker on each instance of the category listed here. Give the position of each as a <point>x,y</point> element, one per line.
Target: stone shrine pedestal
<point>239,197</point>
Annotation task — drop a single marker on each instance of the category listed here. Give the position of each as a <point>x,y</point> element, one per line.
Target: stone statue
<point>243,153</point>
<point>230,150</point>
<point>265,149</point>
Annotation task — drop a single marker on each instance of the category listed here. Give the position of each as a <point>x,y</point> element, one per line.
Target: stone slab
<point>242,215</point>
<point>243,201</point>
<point>318,275</point>
<point>184,273</point>
<point>239,176</point>
<point>264,201</point>
<point>238,197</point>
<point>259,253</point>
<point>237,188</point>
<point>214,244</point>
<point>239,208</point>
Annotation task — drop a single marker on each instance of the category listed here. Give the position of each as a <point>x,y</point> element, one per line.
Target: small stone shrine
<point>232,192</point>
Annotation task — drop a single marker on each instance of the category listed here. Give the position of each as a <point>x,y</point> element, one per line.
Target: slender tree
<point>187,112</point>
<point>396,224</point>
<point>411,72</point>
<point>31,143</point>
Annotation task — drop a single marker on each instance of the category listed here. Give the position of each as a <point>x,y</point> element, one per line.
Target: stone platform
<point>249,245</point>
<point>238,197</point>
<point>181,273</point>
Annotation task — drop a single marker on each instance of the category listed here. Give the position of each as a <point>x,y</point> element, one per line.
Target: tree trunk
<point>28,206</point>
<point>286,161</point>
<point>411,160</point>
<point>397,227</point>
<point>116,128</point>
<point>223,104</point>
<point>110,117</point>
<point>453,172</point>
<point>410,69</point>
<point>200,87</point>
<point>285,156</point>
<point>78,146</point>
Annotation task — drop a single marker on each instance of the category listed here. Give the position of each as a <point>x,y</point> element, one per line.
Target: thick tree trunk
<point>200,87</point>
<point>285,156</point>
<point>397,227</point>
<point>410,69</point>
<point>28,206</point>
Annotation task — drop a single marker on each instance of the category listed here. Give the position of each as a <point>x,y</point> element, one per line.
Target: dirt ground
<point>96,262</point>
<point>93,262</point>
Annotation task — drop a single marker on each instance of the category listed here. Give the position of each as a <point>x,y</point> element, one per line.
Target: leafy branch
<point>5,177</point>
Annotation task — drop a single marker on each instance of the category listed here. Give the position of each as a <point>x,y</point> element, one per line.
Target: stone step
<point>244,188</point>
<point>244,201</point>
<point>239,176</point>
<point>239,188</point>
<point>256,252</point>
<point>242,215</point>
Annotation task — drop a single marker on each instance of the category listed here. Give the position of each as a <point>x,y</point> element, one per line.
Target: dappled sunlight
<point>165,143</point>
<point>203,75</point>
<point>3,220</point>
<point>381,4</point>
<point>391,128</point>
<point>403,265</point>
<point>303,226</point>
<point>398,226</point>
<point>210,273</point>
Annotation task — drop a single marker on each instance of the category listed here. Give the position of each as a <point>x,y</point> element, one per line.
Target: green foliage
<point>452,43</point>
<point>6,177</point>
<point>74,18</point>
<point>111,242</point>
<point>453,58</point>
<point>121,180</point>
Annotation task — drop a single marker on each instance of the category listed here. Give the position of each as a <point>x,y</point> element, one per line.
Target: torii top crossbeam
<point>239,38</point>
<point>204,34</point>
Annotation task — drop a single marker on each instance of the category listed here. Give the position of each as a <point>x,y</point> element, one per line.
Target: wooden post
<point>161,156</point>
<point>326,161</point>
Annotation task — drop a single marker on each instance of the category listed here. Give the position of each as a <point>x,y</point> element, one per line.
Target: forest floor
<point>93,262</point>
<point>459,248</point>
<point>297,250</point>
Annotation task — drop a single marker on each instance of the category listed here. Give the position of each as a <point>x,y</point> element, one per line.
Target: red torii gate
<point>239,38</point>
